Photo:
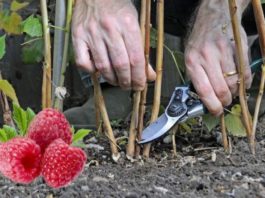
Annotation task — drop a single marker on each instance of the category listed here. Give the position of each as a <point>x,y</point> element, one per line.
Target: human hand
<point>210,53</point>
<point>106,38</point>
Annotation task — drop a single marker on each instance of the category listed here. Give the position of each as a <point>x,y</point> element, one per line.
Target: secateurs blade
<point>184,104</point>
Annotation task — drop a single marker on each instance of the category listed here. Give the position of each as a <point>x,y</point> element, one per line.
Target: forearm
<point>208,7</point>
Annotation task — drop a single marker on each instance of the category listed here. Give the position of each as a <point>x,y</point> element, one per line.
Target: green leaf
<point>15,6</point>
<point>236,110</point>
<point>8,90</point>
<point>3,136</point>
<point>20,117</point>
<point>10,132</point>
<point>185,127</point>
<point>210,121</point>
<point>30,115</point>
<point>33,51</point>
<point>179,56</point>
<point>80,134</point>
<point>235,125</point>
<point>79,144</point>
<point>153,38</point>
<point>12,23</point>
<point>32,26</point>
<point>2,46</point>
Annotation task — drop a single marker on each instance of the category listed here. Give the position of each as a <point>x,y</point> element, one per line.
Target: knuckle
<point>190,58</point>
<point>139,83</point>
<point>92,28</point>
<point>102,68</point>
<point>216,111</point>
<point>121,65</point>
<point>137,60</point>
<point>107,23</point>
<point>78,31</point>
<point>222,44</point>
<point>130,22</point>
<point>222,93</point>
<point>206,50</point>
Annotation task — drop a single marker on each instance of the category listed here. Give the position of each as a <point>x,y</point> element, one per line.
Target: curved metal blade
<point>157,128</point>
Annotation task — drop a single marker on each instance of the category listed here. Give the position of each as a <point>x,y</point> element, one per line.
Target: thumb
<point>151,74</point>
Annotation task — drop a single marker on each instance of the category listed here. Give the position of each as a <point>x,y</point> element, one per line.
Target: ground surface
<point>201,169</point>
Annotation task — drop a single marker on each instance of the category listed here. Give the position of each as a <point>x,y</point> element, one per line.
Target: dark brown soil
<point>201,169</point>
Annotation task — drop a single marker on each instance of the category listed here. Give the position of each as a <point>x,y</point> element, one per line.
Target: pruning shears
<point>184,104</point>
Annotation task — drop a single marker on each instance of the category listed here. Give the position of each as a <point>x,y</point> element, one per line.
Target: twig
<point>224,134</point>
<point>7,114</point>
<point>241,72</point>
<point>58,43</point>
<point>98,96</point>
<point>130,152</point>
<point>31,40</point>
<point>159,68</point>
<point>260,23</point>
<point>58,102</point>
<point>46,84</point>
<point>175,62</point>
<point>174,145</point>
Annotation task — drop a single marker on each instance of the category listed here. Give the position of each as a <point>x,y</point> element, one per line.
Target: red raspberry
<point>20,160</point>
<point>62,164</point>
<point>49,125</point>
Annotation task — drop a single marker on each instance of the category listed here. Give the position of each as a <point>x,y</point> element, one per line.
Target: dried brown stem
<point>98,96</point>
<point>136,99</point>
<point>159,67</point>
<point>224,134</point>
<point>260,22</point>
<point>174,145</point>
<point>7,113</point>
<point>241,72</point>
<point>46,84</point>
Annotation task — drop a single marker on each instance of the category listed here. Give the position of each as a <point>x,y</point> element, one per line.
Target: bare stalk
<point>136,99</point>
<point>174,145</point>
<point>58,103</point>
<point>7,114</point>
<point>159,67</point>
<point>260,23</point>
<point>241,72</point>
<point>47,74</point>
<point>224,134</point>
<point>58,42</point>
<point>98,96</point>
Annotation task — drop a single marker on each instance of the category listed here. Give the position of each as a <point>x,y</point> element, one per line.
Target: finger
<point>82,56</point>
<point>228,65</point>
<point>101,59</point>
<point>204,89</point>
<point>119,59</point>
<point>214,72</point>
<point>151,74</point>
<point>133,42</point>
<point>248,75</point>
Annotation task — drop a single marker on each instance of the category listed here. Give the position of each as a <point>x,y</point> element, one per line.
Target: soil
<point>200,169</point>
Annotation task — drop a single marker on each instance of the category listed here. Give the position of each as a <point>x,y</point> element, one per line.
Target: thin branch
<point>58,102</point>
<point>130,152</point>
<point>224,134</point>
<point>58,43</point>
<point>46,84</point>
<point>98,96</point>
<point>260,23</point>
<point>241,72</point>
<point>7,114</point>
<point>159,68</point>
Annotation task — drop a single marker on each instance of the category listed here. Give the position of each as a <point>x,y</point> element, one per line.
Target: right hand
<point>210,52</point>
<point>107,38</point>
